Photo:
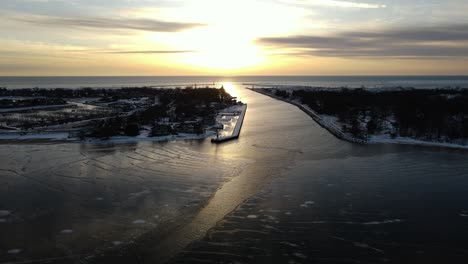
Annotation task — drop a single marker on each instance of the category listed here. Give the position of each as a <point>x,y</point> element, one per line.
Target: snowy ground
<point>386,139</point>
<point>144,133</point>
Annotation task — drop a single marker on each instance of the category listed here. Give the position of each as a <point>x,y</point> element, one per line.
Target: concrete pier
<point>237,128</point>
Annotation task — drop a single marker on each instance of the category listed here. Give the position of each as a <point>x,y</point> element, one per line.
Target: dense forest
<point>428,114</point>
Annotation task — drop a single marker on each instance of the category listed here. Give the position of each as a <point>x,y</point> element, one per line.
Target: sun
<point>227,54</point>
<point>227,41</point>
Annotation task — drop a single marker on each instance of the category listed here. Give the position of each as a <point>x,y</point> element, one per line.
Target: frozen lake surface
<point>286,192</point>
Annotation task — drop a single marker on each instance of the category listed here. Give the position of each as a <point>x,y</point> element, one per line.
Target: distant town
<point>105,113</point>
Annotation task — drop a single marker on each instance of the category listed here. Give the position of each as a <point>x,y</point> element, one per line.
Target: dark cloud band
<point>442,41</point>
<point>109,23</point>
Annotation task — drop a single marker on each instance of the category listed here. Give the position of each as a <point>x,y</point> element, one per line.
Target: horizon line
<point>233,76</point>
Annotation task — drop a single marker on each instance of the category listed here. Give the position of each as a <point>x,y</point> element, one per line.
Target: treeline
<point>110,94</point>
<point>429,114</point>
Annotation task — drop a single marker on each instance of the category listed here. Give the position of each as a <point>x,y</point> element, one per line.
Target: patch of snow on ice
<point>318,222</point>
<point>252,216</point>
<point>139,222</point>
<point>383,222</point>
<point>307,204</point>
<point>361,245</point>
<point>300,255</point>
<point>4,213</point>
<point>117,243</point>
<point>67,231</point>
<point>138,194</point>
<point>364,245</point>
<point>14,251</point>
<point>271,218</point>
<point>273,211</point>
<point>289,244</point>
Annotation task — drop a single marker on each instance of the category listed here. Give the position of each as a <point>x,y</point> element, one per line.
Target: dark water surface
<point>286,192</point>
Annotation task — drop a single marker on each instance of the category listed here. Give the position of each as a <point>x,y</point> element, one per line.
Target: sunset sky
<point>238,37</point>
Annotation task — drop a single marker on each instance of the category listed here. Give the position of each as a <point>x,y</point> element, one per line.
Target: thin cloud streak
<point>150,52</point>
<point>108,23</point>
<point>334,3</point>
<point>457,32</point>
<point>442,41</point>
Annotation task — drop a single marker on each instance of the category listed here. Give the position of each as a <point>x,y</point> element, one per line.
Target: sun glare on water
<point>230,88</point>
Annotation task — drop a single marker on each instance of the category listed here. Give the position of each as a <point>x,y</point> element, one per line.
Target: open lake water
<point>319,81</point>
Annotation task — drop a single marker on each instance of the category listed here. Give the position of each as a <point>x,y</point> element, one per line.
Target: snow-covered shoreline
<point>334,128</point>
<point>40,107</point>
<point>410,141</point>
<point>63,137</point>
<point>124,139</point>
<point>339,88</point>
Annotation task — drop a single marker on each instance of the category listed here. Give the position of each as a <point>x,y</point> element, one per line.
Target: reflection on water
<point>310,195</point>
